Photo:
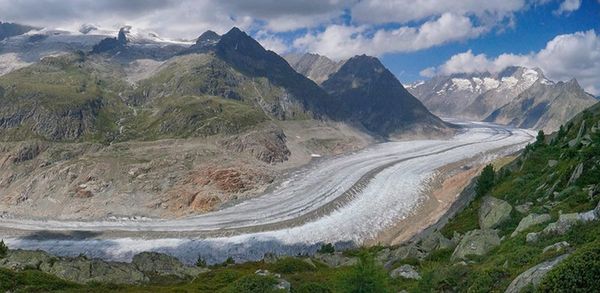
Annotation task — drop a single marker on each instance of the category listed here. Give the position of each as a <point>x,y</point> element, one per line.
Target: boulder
<point>557,246</point>
<point>532,237</point>
<point>153,263</point>
<point>436,241</point>
<point>552,163</point>
<point>534,275</point>
<point>336,259</point>
<point>405,271</point>
<point>25,259</point>
<point>597,210</point>
<point>530,220</point>
<point>82,270</point>
<point>409,251</point>
<point>563,225</point>
<point>476,242</point>
<point>493,212</point>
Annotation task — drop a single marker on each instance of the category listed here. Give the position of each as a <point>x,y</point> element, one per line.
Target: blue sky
<point>533,28</point>
<point>416,39</point>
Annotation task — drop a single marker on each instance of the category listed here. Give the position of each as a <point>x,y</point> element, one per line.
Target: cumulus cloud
<point>402,11</point>
<point>567,56</point>
<point>176,18</point>
<point>271,42</point>
<point>568,6</point>
<point>344,41</point>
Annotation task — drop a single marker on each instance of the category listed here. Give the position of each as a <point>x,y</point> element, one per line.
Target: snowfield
<point>344,200</point>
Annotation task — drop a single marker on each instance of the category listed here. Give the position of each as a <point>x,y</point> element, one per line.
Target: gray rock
<point>597,210</point>
<point>556,246</point>
<point>493,212</point>
<point>552,163</point>
<point>405,271</point>
<point>476,242</point>
<point>530,220</point>
<point>533,275</point>
<point>409,251</point>
<point>281,283</point>
<point>532,237</point>
<point>335,259</point>
<point>310,262</point>
<point>436,241</point>
<point>524,208</point>
<point>576,174</point>
<point>153,263</point>
<point>82,270</point>
<point>563,225</point>
<point>24,259</point>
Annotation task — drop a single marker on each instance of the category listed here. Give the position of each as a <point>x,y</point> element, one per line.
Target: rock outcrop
<point>144,267</point>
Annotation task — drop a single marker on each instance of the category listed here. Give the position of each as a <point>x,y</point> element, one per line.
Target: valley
<point>360,194</point>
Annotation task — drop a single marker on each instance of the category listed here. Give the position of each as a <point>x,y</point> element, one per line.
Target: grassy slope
<point>186,100</point>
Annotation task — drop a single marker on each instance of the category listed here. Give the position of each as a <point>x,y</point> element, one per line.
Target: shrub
<point>366,276</point>
<point>540,139</point>
<point>3,249</point>
<point>580,270</point>
<point>327,248</point>
<point>253,284</point>
<point>312,287</point>
<point>291,265</point>
<point>201,262</point>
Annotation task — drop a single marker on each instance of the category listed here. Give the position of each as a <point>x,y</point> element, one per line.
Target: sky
<point>415,39</point>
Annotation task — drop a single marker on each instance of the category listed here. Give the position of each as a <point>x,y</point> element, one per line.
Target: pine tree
<point>485,182</point>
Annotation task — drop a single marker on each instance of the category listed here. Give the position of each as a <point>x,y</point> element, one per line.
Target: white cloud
<point>272,43</point>
<point>567,56</point>
<point>340,41</point>
<point>402,11</point>
<point>568,6</point>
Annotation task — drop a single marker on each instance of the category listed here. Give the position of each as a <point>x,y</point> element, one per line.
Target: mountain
<point>314,66</point>
<point>367,93</point>
<point>8,30</point>
<point>544,106</point>
<point>479,96</point>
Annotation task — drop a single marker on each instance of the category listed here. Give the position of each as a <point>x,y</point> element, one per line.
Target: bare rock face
<point>493,212</point>
<point>204,189</point>
<point>267,145</point>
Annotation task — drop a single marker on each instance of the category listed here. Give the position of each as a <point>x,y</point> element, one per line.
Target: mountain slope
<point>544,106</point>
<point>369,94</point>
<point>314,66</point>
<point>480,96</point>
<point>8,29</point>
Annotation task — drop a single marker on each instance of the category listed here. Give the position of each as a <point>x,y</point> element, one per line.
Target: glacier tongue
<point>388,197</point>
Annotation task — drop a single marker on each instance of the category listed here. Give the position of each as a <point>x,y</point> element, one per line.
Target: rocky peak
<point>370,94</point>
<point>239,41</point>
<point>208,38</point>
<point>314,66</point>
<point>122,37</point>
